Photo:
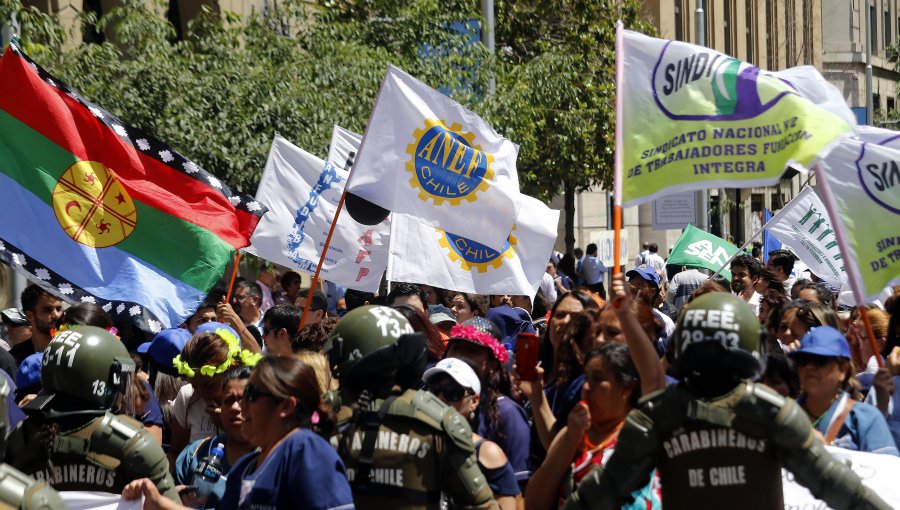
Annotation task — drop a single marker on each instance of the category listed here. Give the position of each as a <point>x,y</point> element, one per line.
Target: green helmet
<point>87,367</point>
<point>717,332</point>
<point>374,345</point>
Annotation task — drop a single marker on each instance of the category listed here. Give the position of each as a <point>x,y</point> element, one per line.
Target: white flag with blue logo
<point>425,155</point>
<point>423,254</point>
<point>302,192</point>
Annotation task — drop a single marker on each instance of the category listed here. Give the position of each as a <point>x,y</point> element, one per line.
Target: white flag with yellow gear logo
<point>423,254</point>
<point>425,155</point>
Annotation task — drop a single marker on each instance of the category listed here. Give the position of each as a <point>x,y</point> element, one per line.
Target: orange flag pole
<point>237,262</point>
<point>871,334</point>
<point>315,280</point>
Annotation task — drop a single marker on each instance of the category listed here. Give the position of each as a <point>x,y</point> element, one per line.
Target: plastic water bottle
<point>209,471</point>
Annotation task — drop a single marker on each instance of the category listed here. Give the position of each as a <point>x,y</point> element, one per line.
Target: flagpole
<point>742,248</point>
<point>872,343</point>
<point>617,174</point>
<point>390,261</point>
<point>237,261</point>
<point>315,280</point>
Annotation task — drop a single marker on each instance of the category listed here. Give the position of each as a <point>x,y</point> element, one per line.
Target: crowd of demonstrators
<point>422,403</point>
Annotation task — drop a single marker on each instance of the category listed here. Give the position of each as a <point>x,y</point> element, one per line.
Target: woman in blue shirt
<point>827,395</point>
<point>294,467</point>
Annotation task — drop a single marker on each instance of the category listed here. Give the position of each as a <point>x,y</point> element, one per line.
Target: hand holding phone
<point>527,356</point>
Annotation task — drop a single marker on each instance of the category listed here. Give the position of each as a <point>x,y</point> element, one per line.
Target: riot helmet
<point>717,334</point>
<point>373,347</point>
<point>85,370</point>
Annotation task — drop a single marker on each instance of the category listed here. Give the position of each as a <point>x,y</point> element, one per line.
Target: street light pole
<point>487,35</point>
<point>870,120</point>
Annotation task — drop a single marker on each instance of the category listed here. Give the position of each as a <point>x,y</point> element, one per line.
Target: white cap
<point>459,370</point>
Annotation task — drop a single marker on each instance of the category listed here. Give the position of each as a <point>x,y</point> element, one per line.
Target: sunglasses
<point>452,390</point>
<point>252,393</point>
<point>816,361</point>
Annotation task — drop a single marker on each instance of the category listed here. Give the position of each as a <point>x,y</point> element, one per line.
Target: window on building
<point>808,39</point>
<point>173,14</point>
<point>748,30</point>
<point>789,25</point>
<point>876,104</point>
<point>89,32</point>
<point>873,29</point>
<point>679,21</point>
<point>887,29</point>
<point>726,26</point>
<point>891,104</point>
<point>770,39</point>
<point>710,25</point>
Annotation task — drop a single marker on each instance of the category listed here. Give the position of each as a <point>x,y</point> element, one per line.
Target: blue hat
<point>213,326</point>
<point>167,344</point>
<point>646,272</point>
<point>440,313</point>
<point>823,341</point>
<point>29,373</point>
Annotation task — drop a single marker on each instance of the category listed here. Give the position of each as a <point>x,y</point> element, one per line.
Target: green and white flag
<point>691,118</point>
<point>805,227</point>
<point>698,248</point>
<point>860,185</point>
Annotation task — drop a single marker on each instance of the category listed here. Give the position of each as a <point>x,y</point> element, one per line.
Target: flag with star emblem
<point>96,210</point>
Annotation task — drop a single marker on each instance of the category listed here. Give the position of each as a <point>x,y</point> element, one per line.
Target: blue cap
<point>823,341</point>
<point>167,344</point>
<point>646,272</point>
<point>213,326</point>
<point>29,373</point>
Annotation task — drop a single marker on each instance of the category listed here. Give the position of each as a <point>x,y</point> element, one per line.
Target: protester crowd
<point>420,396</point>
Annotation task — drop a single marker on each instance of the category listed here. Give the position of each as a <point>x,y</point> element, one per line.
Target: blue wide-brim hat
<point>823,341</point>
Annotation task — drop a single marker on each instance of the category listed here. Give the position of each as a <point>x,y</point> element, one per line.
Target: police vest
<point>418,450</point>
<point>102,455</point>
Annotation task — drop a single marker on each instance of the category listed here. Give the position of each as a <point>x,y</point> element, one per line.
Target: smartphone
<point>527,356</point>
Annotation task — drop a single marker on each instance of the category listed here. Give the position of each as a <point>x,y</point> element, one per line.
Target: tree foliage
<point>222,92</point>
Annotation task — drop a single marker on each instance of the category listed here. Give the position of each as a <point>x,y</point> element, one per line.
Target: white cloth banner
<point>302,193</point>
<point>423,254</point>
<point>425,155</point>
<point>344,146</point>
<point>877,471</point>
<point>804,226</point>
<point>88,500</point>
<point>860,186</point>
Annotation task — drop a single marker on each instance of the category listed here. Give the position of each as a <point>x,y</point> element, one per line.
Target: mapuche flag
<point>96,210</point>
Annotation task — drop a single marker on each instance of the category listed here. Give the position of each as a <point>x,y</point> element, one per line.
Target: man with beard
<point>42,310</point>
<point>744,275</point>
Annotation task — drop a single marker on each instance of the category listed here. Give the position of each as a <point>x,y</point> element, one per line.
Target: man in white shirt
<point>657,262</point>
<point>744,275</point>
<point>642,256</point>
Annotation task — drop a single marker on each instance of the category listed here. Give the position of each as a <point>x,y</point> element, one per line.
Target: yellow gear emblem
<point>470,254</point>
<point>446,165</point>
<point>92,206</point>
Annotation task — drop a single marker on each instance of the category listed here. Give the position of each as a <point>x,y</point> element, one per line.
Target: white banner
<point>88,500</point>
<point>344,146</point>
<point>877,471</point>
<point>302,193</point>
<point>804,226</point>
<point>423,254</point>
<point>605,241</point>
<point>425,155</point>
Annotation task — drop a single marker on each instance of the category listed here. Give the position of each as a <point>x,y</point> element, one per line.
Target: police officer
<point>18,490</point>
<point>402,447</point>
<point>715,439</point>
<point>72,439</point>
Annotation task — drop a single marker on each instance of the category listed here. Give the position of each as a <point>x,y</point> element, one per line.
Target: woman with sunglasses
<point>455,382</point>
<point>828,395</point>
<point>293,467</point>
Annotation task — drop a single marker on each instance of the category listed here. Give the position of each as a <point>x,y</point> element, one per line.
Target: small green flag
<point>696,248</point>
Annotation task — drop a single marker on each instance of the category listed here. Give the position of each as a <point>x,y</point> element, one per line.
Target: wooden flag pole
<point>871,334</point>
<point>315,280</point>
<point>237,262</point>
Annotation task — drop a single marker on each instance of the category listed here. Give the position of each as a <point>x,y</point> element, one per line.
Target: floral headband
<point>64,327</point>
<point>473,334</point>
<point>234,351</point>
